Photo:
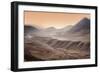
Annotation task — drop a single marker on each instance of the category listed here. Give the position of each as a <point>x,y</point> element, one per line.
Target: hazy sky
<point>52,19</point>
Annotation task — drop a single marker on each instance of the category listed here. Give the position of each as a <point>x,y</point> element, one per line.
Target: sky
<point>52,19</point>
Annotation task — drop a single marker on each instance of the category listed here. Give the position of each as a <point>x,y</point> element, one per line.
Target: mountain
<point>70,42</point>
<point>78,32</point>
<point>29,29</point>
<point>83,26</point>
<point>62,31</point>
<point>50,29</point>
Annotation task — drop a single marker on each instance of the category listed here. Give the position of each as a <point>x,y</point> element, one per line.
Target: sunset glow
<point>52,19</point>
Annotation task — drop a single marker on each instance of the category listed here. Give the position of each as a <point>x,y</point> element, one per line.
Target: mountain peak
<point>29,29</point>
<point>82,25</point>
<point>85,20</point>
<point>51,28</point>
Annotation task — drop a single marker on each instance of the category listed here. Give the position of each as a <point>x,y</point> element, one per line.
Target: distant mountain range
<point>80,31</point>
<point>83,26</point>
<point>70,42</point>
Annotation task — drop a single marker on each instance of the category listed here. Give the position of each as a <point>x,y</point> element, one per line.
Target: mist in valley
<point>45,44</point>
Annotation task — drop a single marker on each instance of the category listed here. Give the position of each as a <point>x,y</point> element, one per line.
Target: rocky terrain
<point>71,42</point>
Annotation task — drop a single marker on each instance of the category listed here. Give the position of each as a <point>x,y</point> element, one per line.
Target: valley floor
<point>40,49</point>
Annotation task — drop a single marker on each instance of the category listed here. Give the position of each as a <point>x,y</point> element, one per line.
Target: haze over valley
<point>69,42</point>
